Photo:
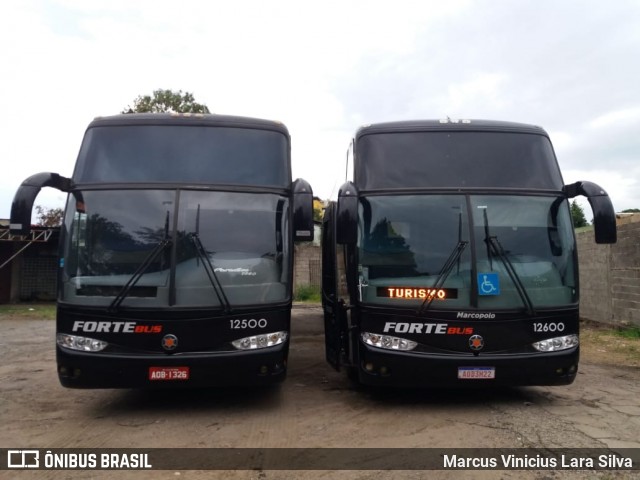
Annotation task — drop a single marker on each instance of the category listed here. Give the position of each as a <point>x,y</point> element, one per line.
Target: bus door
<point>335,313</point>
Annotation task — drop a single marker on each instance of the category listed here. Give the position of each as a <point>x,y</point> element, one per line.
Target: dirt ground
<point>315,407</point>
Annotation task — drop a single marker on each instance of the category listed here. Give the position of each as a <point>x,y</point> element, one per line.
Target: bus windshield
<point>244,237</point>
<point>499,251</point>
<point>183,154</point>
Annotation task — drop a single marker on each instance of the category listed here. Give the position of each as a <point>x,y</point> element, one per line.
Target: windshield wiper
<point>444,273</point>
<point>158,249</point>
<point>208,266</point>
<point>494,247</point>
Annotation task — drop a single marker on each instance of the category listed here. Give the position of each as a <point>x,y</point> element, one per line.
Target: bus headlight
<point>83,344</point>
<point>557,343</point>
<point>260,341</point>
<point>388,342</point>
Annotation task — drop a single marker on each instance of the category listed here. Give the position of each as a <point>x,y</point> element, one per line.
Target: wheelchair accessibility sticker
<point>488,284</point>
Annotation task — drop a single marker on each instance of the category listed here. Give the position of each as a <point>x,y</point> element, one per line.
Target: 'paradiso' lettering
<point>419,293</point>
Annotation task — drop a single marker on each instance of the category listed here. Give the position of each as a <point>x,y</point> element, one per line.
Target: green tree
<point>318,209</point>
<point>631,210</point>
<point>577,213</point>
<point>49,217</point>
<point>166,101</point>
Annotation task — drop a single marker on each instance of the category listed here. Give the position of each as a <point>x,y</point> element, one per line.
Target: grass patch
<point>629,332</point>
<point>307,294</point>
<point>610,346</point>
<point>44,311</point>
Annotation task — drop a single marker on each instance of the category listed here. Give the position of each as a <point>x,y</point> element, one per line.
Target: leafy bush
<point>307,293</point>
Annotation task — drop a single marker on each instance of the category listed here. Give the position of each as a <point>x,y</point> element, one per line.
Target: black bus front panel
<point>465,349</point>
<point>189,349</point>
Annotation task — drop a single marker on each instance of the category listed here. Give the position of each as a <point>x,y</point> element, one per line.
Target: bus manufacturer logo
<point>169,342</point>
<point>476,343</point>
<point>476,316</point>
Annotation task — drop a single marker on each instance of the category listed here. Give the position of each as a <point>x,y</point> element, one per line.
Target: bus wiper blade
<point>444,273</point>
<point>496,249</point>
<point>208,266</point>
<point>211,272</point>
<point>158,249</point>
<point>122,294</point>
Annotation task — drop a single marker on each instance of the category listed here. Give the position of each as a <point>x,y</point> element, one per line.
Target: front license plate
<point>476,373</point>
<point>168,373</point>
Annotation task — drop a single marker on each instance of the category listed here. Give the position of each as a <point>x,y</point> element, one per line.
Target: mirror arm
<point>604,216</point>
<point>22,206</point>
<point>586,189</point>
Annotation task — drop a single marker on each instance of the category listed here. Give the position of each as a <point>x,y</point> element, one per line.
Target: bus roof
<point>205,119</point>
<point>449,124</point>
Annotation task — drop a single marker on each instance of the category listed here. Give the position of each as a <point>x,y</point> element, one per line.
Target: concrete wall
<point>610,277</point>
<point>625,275</point>
<point>307,265</point>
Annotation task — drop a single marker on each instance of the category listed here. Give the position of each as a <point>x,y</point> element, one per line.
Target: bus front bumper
<point>407,369</point>
<point>96,370</point>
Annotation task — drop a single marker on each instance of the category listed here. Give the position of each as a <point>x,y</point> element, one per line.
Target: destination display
<point>419,293</point>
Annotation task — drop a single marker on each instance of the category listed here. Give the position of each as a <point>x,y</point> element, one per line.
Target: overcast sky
<point>324,69</point>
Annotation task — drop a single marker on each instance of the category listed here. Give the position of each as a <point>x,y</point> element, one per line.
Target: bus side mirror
<point>347,215</point>
<point>604,216</point>
<point>20,223</point>
<point>302,211</point>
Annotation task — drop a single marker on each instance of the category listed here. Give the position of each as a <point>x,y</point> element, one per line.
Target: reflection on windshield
<point>406,243</point>
<point>495,249</point>
<point>112,251</point>
<point>208,266</point>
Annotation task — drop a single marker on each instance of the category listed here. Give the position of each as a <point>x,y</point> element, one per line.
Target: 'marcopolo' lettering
<point>476,316</point>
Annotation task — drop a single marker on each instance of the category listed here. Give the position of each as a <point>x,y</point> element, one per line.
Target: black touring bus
<point>450,258</point>
<point>176,251</point>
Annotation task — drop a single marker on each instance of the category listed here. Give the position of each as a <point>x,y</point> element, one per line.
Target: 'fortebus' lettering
<point>113,327</point>
<point>426,328</point>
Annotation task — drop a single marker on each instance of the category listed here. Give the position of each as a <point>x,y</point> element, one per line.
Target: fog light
<point>83,344</point>
<point>388,342</point>
<point>369,367</point>
<point>557,343</point>
<point>260,341</point>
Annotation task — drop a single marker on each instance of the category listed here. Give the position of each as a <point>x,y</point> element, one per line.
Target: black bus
<point>450,258</point>
<point>176,251</point>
